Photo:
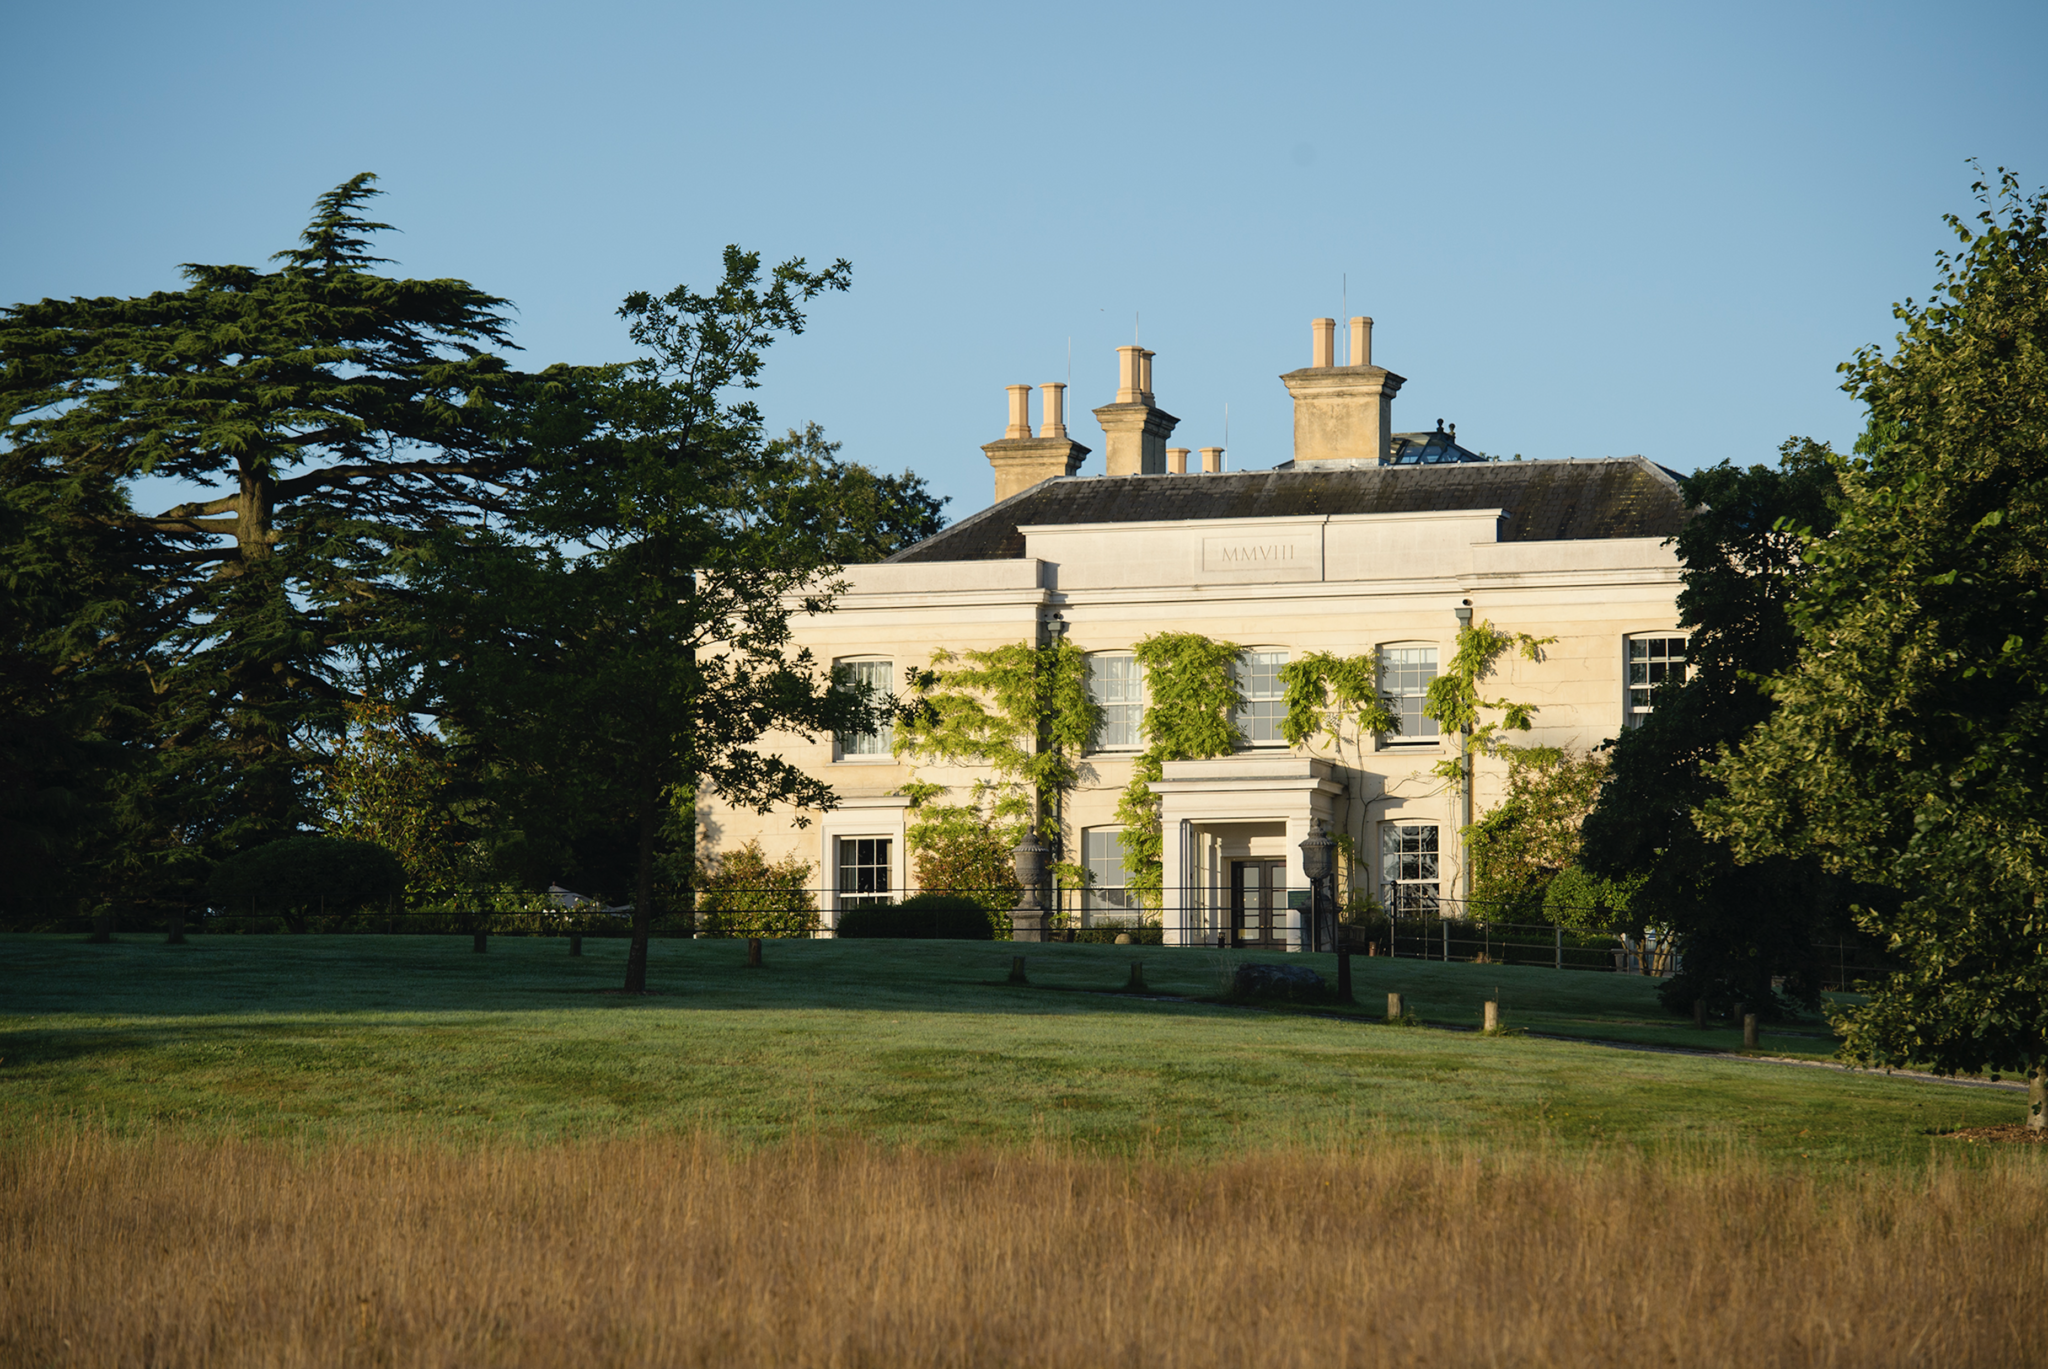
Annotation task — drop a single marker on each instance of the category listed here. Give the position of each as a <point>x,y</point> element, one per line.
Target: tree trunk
<point>643,891</point>
<point>176,936</point>
<point>2037,1095</point>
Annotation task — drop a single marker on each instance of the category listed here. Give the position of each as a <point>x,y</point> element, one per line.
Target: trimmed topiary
<point>921,917</point>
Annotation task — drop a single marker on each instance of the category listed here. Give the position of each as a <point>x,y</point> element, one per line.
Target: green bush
<point>301,879</point>
<point>942,917</point>
<point>743,893</point>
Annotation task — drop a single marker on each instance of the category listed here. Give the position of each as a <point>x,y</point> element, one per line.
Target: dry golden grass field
<point>678,1251</point>
<point>396,1152</point>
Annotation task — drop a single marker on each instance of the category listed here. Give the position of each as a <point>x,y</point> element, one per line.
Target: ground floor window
<point>1408,867</point>
<point>1102,851</point>
<point>863,871</point>
<point>1652,661</point>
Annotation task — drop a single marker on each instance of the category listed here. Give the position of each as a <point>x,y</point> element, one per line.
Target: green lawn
<point>916,1042</point>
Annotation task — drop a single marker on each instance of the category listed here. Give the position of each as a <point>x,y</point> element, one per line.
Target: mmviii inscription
<point>1283,556</point>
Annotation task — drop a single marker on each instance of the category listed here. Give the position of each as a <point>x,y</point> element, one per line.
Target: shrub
<point>740,893</point>
<point>299,878</point>
<point>923,916</point>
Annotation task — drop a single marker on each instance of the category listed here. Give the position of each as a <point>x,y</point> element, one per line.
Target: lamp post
<point>1316,863</point>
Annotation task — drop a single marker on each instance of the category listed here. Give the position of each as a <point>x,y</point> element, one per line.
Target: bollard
<point>1395,1010</point>
<point>1137,984</point>
<point>1492,1017</point>
<point>1699,1013</point>
<point>1344,974</point>
<point>753,952</point>
<point>575,943</point>
<point>1749,1031</point>
<point>1017,970</point>
<point>480,944</point>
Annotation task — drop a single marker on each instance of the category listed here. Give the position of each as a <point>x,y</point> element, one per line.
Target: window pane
<point>1408,866</point>
<point>1102,851</point>
<point>1652,661</point>
<point>1405,673</point>
<point>881,678</point>
<point>863,871</point>
<point>1265,707</point>
<point>1114,682</point>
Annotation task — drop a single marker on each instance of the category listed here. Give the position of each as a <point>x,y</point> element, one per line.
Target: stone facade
<point>1341,555</point>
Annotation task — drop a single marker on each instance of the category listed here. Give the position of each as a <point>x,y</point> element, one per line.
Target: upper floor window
<point>1114,681</point>
<point>1405,673</point>
<point>1651,662</point>
<point>1265,703</point>
<point>879,677</point>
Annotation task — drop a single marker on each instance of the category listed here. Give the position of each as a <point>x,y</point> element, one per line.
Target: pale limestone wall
<point>1342,585</point>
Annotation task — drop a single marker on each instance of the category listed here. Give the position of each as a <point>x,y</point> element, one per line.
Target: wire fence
<point>1283,921</point>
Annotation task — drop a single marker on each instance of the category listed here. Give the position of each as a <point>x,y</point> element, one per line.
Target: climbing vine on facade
<point>1023,713</point>
<point>1455,702</point>
<point>1190,714</point>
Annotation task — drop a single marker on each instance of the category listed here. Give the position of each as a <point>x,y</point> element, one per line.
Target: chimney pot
<point>1053,412</point>
<point>1130,378</point>
<point>1361,341</point>
<point>1322,351</point>
<point>1020,412</point>
<point>1176,460</point>
<point>1212,459</point>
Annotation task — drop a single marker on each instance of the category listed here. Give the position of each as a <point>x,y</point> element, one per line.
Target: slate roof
<point>1545,501</point>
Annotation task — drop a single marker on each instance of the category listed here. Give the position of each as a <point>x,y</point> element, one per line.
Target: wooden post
<point>1137,984</point>
<point>575,943</point>
<point>753,952</point>
<point>1017,970</point>
<point>1749,1031</point>
<point>1395,1010</point>
<point>481,942</point>
<point>1699,1013</point>
<point>1492,1016</point>
<point>1343,973</point>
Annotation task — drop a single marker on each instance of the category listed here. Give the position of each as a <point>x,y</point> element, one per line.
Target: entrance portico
<point>1224,822</point>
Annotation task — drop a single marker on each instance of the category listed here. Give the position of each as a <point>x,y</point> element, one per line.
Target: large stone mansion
<point>1366,538</point>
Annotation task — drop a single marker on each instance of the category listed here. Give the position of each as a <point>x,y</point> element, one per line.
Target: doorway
<point>1258,903</point>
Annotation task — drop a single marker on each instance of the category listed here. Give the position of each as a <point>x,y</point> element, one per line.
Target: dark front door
<point>1258,902</point>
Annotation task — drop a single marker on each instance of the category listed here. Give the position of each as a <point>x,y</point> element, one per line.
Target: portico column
<point>1174,882</point>
<point>1297,878</point>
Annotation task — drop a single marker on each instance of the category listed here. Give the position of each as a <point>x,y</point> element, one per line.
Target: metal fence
<point>1277,924</point>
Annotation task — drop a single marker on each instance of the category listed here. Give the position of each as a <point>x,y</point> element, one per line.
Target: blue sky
<point>1583,230</point>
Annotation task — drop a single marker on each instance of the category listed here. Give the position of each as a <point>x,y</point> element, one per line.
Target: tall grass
<point>682,1252</point>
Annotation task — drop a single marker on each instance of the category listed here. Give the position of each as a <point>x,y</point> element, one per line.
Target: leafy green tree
<point>336,415</point>
<point>1909,744</point>
<point>621,642</point>
<point>74,690</point>
<point>1531,836</point>
<point>1741,924</point>
<point>387,783</point>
